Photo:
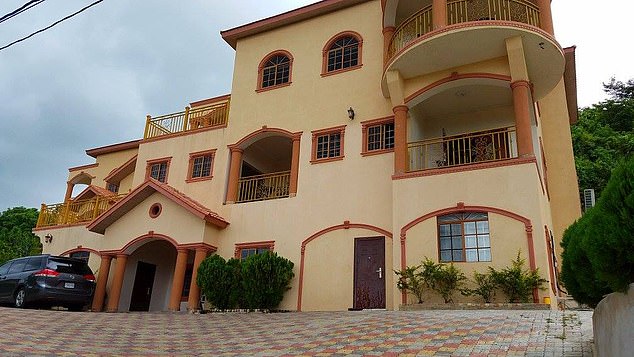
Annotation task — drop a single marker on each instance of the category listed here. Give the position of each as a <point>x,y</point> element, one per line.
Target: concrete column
<point>545,16</point>
<point>102,280</point>
<point>117,283</point>
<point>69,191</point>
<point>178,280</point>
<point>388,33</point>
<point>521,105</point>
<point>439,13</point>
<point>194,290</point>
<point>400,139</point>
<point>234,174</point>
<point>294,167</point>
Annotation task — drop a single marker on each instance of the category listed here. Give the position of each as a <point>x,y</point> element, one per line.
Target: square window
<point>465,236</point>
<point>328,144</point>
<point>158,169</point>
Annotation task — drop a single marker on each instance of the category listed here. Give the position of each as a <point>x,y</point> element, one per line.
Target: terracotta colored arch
<point>460,207</point>
<point>81,178</point>
<point>266,59</point>
<point>136,243</point>
<point>80,249</point>
<point>262,133</point>
<point>345,225</point>
<point>455,80</point>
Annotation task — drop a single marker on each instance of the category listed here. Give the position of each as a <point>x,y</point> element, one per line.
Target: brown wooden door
<point>369,273</point>
<point>142,289</point>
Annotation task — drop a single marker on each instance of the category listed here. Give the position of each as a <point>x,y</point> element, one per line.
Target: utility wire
<point>51,25</point>
<point>22,9</point>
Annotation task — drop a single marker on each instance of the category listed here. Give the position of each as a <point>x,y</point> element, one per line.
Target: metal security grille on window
<point>381,137</point>
<point>83,255</point>
<point>244,253</point>
<point>276,71</point>
<point>344,53</point>
<point>329,146</point>
<point>202,166</point>
<point>113,187</point>
<point>464,237</point>
<point>159,171</point>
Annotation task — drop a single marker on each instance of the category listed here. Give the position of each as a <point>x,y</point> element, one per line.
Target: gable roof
<point>119,173</point>
<point>232,36</point>
<point>95,190</point>
<point>144,191</point>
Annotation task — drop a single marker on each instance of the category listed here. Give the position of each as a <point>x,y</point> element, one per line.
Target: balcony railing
<point>73,212</point>
<point>413,27</point>
<point>505,10</point>
<point>264,187</point>
<point>464,149</point>
<point>463,11</point>
<point>214,115</point>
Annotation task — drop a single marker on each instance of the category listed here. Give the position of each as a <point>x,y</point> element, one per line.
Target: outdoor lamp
<point>350,113</point>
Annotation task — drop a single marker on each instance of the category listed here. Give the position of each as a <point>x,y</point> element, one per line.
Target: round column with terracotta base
<point>194,290</point>
<point>439,14</point>
<point>292,188</point>
<point>388,33</point>
<point>234,174</point>
<point>102,280</point>
<point>178,281</point>
<point>521,105</point>
<point>117,283</point>
<point>546,16</point>
<point>400,139</point>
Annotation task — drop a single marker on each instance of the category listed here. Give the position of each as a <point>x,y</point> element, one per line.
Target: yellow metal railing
<point>264,187</point>
<point>464,149</point>
<point>463,11</point>
<point>505,10</point>
<point>413,27</point>
<point>213,115</point>
<point>75,211</point>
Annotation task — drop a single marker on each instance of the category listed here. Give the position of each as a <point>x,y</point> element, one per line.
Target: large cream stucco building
<point>359,138</point>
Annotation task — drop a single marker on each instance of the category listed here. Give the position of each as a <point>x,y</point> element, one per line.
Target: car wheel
<point>20,297</point>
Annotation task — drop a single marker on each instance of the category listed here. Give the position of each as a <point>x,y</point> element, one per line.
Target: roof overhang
<point>144,191</point>
<point>232,36</point>
<point>92,191</point>
<point>121,172</point>
<point>113,148</point>
<point>570,82</point>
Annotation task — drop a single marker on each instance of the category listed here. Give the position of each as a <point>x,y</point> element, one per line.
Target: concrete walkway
<point>371,333</point>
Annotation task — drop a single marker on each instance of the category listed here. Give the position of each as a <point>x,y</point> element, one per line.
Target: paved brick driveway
<point>448,333</point>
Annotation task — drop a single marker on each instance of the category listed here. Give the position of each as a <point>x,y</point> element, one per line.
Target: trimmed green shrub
<point>515,281</point>
<point>219,280</point>
<point>265,279</point>
<point>447,280</point>
<point>485,287</point>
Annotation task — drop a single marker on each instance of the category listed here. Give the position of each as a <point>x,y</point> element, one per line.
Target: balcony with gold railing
<point>264,187</point>
<point>464,149</point>
<point>74,212</point>
<point>214,115</point>
<point>460,11</point>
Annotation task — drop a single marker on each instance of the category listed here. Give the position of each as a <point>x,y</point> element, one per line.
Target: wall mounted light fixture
<point>48,238</point>
<point>350,113</point>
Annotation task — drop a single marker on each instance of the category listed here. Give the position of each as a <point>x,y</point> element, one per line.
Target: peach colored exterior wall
<point>357,189</point>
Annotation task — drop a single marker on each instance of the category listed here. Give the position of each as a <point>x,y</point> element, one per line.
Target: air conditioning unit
<point>588,198</point>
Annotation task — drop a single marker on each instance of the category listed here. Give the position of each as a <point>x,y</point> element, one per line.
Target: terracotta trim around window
<point>149,163</point>
<point>326,49</point>
<point>269,244</point>
<point>266,58</point>
<point>364,131</point>
<point>190,166</point>
<point>328,131</point>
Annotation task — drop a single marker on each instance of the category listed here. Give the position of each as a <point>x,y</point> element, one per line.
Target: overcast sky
<point>90,81</point>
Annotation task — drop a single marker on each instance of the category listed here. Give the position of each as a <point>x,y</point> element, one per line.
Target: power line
<point>51,25</point>
<point>20,10</point>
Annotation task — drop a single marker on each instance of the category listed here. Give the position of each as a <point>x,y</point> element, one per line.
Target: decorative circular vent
<point>155,210</point>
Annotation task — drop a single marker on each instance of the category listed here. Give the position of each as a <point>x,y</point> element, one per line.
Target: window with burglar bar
<point>464,237</point>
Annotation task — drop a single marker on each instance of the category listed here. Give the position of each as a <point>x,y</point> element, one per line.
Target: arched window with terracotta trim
<point>342,53</point>
<point>275,70</point>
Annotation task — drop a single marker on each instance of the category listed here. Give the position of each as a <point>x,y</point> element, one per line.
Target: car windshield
<point>61,265</point>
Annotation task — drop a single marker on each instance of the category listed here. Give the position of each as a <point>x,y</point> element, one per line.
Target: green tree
<point>16,238</point>
<point>603,135</point>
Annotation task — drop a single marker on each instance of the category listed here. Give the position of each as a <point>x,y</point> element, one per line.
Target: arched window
<point>275,70</point>
<point>464,237</point>
<point>342,52</point>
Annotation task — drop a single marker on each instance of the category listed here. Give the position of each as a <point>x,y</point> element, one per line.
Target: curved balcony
<point>474,31</point>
